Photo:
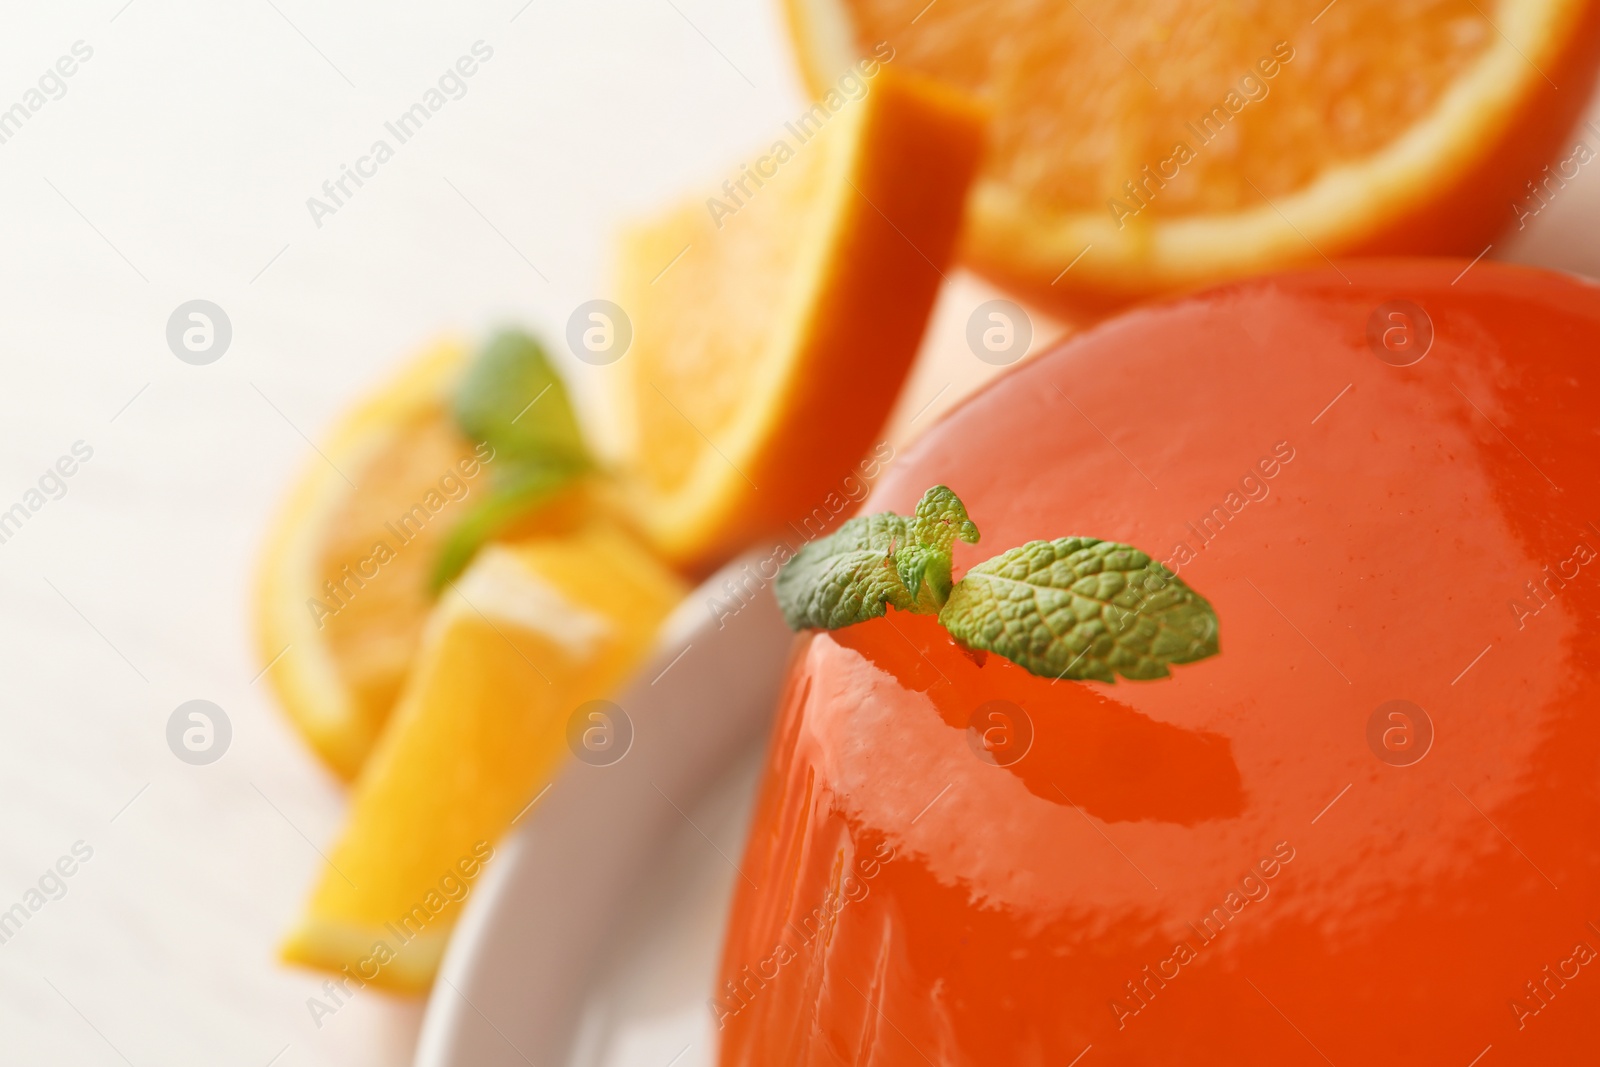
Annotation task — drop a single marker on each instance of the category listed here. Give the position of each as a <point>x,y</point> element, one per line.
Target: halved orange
<point>775,319</point>
<point>1179,143</point>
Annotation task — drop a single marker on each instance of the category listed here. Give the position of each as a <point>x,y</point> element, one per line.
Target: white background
<point>177,166</point>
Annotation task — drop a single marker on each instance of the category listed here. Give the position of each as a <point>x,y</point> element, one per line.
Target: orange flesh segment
<point>1079,111</point>
<point>377,622</point>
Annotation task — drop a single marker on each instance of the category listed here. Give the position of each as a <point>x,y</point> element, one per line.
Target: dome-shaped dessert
<point>1366,832</point>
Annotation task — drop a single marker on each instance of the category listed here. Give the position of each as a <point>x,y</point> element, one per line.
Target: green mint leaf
<point>511,398</point>
<point>514,491</point>
<point>874,561</point>
<point>1078,607</point>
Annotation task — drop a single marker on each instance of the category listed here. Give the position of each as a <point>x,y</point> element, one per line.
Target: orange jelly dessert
<point>1366,832</point>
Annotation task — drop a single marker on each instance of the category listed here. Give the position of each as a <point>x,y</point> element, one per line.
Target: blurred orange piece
<point>512,654</point>
<point>774,321</point>
<point>343,594</point>
<point>1170,144</point>
<point>337,624</point>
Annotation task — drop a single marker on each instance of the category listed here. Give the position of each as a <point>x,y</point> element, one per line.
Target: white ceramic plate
<point>593,939</point>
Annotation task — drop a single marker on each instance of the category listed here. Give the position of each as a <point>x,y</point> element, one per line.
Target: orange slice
<point>775,319</point>
<point>336,620</point>
<point>1179,143</point>
<point>529,634</point>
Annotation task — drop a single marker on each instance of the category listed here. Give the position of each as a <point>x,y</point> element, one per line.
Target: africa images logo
<point>451,85</point>
<point>52,85</point>
<point>852,85</point>
<point>339,590</point>
<point>453,887</point>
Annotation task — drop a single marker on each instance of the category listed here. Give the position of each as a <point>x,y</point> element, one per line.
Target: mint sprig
<point>1074,607</point>
<point>874,561</point>
<point>512,399</point>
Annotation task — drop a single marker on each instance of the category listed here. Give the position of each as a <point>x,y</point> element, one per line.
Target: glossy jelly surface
<point>1366,833</point>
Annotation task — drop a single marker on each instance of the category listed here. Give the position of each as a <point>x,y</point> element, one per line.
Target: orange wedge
<point>775,318</point>
<point>1168,145</point>
<point>529,634</point>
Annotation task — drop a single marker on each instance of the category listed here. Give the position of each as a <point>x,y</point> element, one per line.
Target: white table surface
<point>177,166</point>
